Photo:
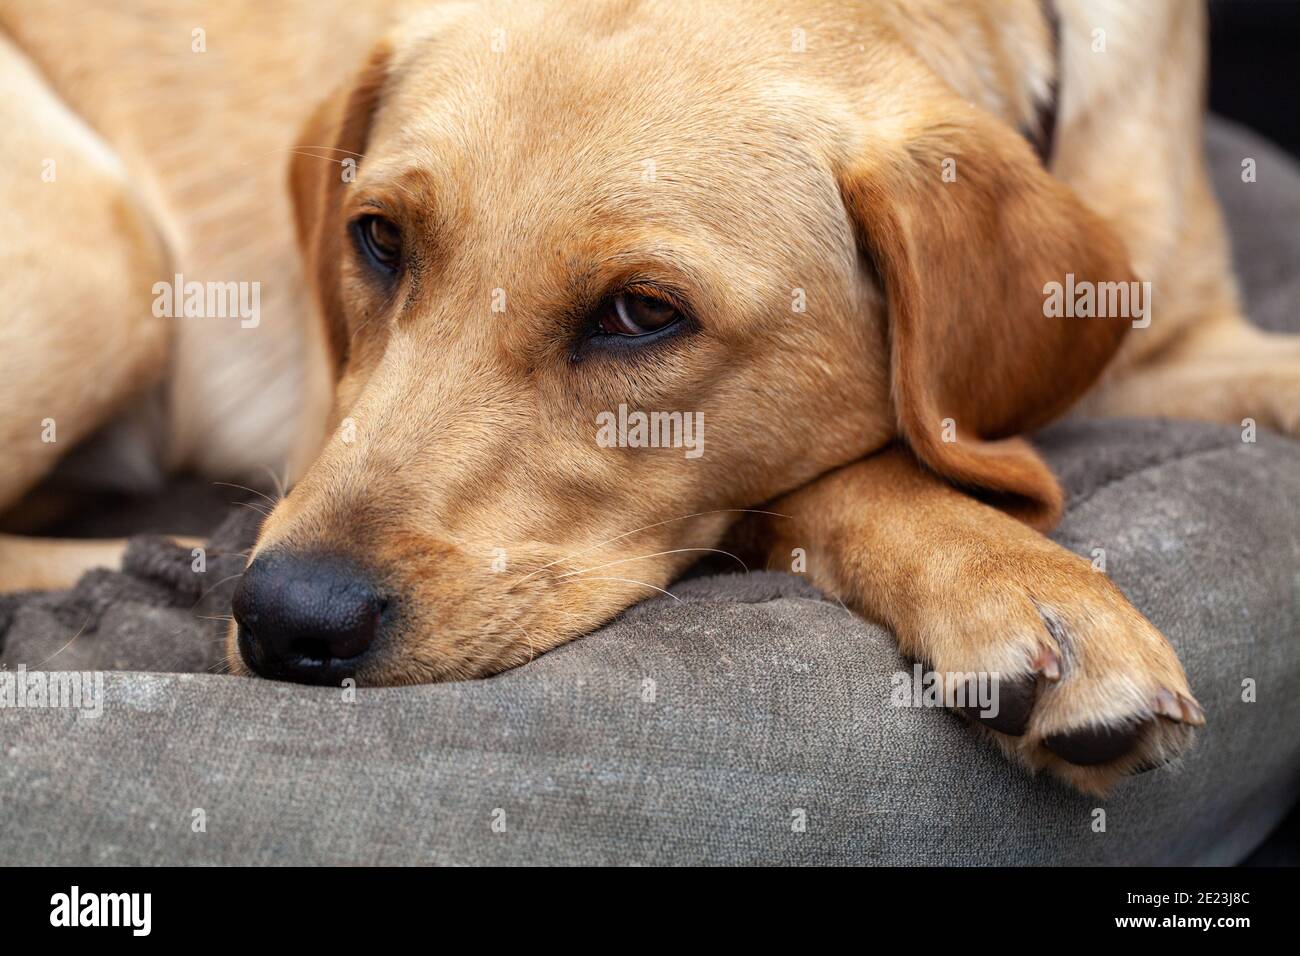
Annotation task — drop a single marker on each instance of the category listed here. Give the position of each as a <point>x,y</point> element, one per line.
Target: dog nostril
<point>306,617</point>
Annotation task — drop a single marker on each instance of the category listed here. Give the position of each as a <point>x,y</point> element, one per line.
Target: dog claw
<point>1192,713</point>
<point>1016,697</point>
<point>1048,664</point>
<point>1178,708</point>
<point>1166,705</point>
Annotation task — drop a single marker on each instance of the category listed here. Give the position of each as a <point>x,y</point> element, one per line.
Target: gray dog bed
<point>747,721</point>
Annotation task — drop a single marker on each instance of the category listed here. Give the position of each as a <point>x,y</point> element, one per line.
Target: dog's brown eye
<point>629,314</point>
<point>381,240</point>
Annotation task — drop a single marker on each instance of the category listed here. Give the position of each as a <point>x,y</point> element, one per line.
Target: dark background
<point>1254,65</point>
<point>1254,68</point>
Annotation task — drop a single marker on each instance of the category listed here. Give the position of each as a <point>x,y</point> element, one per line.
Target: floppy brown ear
<point>964,259</point>
<point>325,160</point>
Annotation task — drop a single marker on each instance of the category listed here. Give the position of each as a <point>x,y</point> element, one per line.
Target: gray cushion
<point>768,699</point>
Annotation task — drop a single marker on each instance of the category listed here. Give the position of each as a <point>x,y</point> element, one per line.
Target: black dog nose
<point>305,617</point>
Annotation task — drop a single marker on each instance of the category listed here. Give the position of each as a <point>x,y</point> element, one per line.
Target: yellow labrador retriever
<point>837,256</point>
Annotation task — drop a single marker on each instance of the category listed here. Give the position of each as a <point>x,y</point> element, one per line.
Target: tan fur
<point>80,257</point>
<point>457,435</point>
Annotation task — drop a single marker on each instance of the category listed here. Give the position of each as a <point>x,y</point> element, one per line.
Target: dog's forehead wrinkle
<point>697,166</point>
<point>557,87</point>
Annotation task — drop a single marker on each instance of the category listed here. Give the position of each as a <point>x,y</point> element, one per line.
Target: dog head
<point>594,280</point>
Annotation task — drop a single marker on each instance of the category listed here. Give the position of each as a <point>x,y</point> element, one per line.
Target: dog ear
<point>325,160</point>
<point>966,229</point>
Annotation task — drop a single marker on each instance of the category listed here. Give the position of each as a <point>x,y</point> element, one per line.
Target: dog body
<point>836,206</point>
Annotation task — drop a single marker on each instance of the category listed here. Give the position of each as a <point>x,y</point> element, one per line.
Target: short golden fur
<point>794,146</point>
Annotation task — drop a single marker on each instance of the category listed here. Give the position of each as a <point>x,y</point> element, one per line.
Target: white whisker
<point>231,484</point>
<point>644,584</point>
<point>281,484</point>
<point>302,151</point>
<point>532,648</point>
<point>80,630</point>
<point>253,507</point>
<point>203,594</point>
<point>657,524</point>
<point>657,554</point>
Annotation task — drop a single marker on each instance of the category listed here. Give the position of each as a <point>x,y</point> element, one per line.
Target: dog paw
<point>1085,687</point>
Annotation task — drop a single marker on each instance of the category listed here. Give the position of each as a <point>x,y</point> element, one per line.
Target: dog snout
<point>306,618</point>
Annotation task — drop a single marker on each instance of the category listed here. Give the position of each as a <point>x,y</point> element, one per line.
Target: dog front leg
<point>1087,687</point>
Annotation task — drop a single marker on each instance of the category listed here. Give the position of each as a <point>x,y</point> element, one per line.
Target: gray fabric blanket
<point>746,721</point>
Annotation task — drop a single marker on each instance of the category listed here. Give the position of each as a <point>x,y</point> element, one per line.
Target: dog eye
<point>381,241</point>
<point>633,315</point>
